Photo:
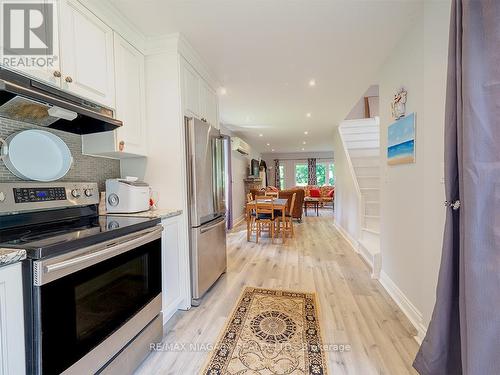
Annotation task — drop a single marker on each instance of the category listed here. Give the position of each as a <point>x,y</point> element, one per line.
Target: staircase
<point>361,140</point>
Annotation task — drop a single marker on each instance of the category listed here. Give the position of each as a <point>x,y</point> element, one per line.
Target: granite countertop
<point>9,256</point>
<point>162,213</point>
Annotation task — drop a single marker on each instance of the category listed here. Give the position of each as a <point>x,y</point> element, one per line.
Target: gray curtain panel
<point>464,334</point>
<point>311,172</point>
<point>277,173</point>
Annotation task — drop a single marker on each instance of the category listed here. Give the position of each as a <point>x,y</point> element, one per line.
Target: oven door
<point>89,304</point>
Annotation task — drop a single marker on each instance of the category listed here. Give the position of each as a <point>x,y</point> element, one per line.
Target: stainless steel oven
<point>92,283</point>
<point>89,302</point>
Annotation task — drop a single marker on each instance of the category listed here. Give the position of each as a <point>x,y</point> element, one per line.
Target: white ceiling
<point>265,52</point>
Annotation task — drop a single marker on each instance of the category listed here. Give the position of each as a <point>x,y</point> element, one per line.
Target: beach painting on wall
<point>401,141</point>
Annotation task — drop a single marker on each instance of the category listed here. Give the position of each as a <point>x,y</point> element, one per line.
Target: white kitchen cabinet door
<point>12,358</point>
<point>210,105</point>
<point>130,97</point>
<point>45,68</point>
<point>87,63</point>
<point>190,89</point>
<point>175,272</point>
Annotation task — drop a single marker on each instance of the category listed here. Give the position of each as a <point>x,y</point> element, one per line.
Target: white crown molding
<point>412,313</point>
<point>112,16</point>
<point>162,44</point>
<point>177,42</point>
<point>115,19</point>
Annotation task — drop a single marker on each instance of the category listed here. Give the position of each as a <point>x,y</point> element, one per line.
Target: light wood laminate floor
<point>354,309</point>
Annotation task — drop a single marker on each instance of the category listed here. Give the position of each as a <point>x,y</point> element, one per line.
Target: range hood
<point>27,100</point>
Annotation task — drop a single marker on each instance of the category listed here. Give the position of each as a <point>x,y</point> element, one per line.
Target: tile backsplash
<point>84,168</point>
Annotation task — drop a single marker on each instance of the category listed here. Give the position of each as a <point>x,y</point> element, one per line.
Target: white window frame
<point>298,162</point>
<point>284,177</point>
<point>327,164</point>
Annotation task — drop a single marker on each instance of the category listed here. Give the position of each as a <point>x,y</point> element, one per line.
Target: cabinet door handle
<point>57,73</point>
<point>68,79</point>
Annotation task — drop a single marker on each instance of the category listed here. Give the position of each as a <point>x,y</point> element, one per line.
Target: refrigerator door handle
<point>190,178</point>
<point>219,174</point>
<point>215,176</point>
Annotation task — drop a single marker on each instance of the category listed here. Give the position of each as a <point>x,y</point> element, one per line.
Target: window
<point>301,174</point>
<point>325,173</point>
<point>321,174</point>
<point>331,174</point>
<point>282,177</point>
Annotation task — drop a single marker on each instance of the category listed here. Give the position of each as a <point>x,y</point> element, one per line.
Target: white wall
<point>412,195</point>
<point>358,111</point>
<point>288,160</point>
<point>239,168</point>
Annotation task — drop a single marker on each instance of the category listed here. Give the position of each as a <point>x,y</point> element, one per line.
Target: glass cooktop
<point>48,239</point>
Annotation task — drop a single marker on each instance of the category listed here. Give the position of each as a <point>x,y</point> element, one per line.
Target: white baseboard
<point>168,313</point>
<point>354,244</point>
<point>412,313</point>
<point>373,260</point>
<point>238,221</point>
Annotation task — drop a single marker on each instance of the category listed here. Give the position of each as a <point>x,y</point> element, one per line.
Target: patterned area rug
<point>270,332</point>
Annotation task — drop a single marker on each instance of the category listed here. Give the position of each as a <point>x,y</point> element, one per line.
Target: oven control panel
<point>27,196</point>
<point>34,194</point>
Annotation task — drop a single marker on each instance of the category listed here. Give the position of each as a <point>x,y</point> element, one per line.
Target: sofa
<point>326,193</point>
<point>287,194</point>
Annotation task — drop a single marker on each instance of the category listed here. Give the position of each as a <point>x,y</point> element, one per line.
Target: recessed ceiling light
<point>304,142</point>
<point>222,91</point>
<point>312,82</point>
<point>268,144</point>
<point>261,135</point>
<point>303,148</point>
<point>272,150</point>
<point>308,114</point>
<point>306,132</point>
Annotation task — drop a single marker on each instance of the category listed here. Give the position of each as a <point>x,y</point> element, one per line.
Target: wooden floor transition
<point>354,309</point>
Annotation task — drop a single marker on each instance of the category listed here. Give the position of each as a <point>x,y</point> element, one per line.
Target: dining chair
<point>273,194</point>
<point>288,224</point>
<point>249,197</point>
<point>250,217</point>
<point>264,217</point>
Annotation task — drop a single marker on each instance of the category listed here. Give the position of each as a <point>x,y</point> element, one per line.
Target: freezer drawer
<point>208,256</point>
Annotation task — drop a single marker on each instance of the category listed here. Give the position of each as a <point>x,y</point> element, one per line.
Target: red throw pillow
<point>330,193</point>
<point>314,193</point>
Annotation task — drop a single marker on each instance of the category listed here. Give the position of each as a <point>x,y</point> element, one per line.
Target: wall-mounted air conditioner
<point>238,144</point>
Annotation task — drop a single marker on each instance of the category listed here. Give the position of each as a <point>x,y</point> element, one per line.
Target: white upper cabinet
<point>190,89</point>
<point>130,139</point>
<point>47,67</point>
<point>208,104</point>
<point>199,99</point>
<point>86,54</point>
<point>130,97</point>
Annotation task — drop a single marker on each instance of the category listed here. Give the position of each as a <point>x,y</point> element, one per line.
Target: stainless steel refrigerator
<point>206,202</point>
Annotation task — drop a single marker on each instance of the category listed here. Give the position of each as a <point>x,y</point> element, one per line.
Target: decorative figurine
<point>398,104</point>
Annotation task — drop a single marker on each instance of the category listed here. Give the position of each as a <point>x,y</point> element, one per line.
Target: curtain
<point>311,172</point>
<point>263,166</point>
<point>277,173</point>
<point>464,333</point>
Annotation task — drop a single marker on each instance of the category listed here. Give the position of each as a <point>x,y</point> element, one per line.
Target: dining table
<point>279,204</point>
